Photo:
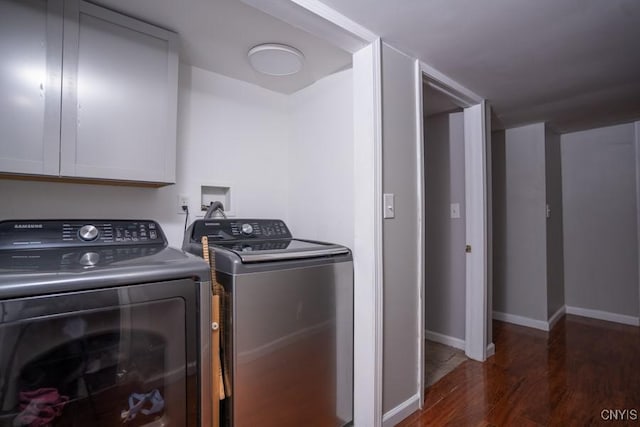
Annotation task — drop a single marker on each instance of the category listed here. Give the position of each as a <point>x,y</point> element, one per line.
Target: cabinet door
<point>119,97</point>
<point>30,80</point>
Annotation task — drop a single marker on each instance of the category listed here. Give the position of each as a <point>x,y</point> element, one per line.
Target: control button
<point>88,233</point>
<point>152,234</point>
<point>247,229</point>
<point>89,259</point>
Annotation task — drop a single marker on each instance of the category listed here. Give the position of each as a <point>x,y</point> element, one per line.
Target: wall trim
<point>557,316</point>
<point>402,411</point>
<point>444,339</point>
<point>453,87</point>
<point>521,320</point>
<point>476,261</point>
<point>378,234</point>
<point>566,309</point>
<point>491,350</point>
<point>604,315</point>
<point>367,243</point>
<point>421,249</point>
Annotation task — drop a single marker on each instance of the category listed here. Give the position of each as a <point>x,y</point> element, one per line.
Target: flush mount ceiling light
<point>276,59</point>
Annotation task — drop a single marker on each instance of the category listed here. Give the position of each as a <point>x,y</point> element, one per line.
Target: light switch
<point>455,210</point>
<point>389,207</point>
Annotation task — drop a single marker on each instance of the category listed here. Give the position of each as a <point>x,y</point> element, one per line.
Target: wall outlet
<point>183,200</point>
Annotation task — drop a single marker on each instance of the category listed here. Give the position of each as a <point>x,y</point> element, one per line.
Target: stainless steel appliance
<point>101,325</point>
<point>288,339</point>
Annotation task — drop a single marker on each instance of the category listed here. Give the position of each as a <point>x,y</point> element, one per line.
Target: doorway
<point>444,186</point>
<point>456,235</point>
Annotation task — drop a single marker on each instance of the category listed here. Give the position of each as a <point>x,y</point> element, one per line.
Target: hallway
<point>578,374</point>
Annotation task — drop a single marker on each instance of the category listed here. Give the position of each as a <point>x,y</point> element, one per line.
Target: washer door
<point>120,356</point>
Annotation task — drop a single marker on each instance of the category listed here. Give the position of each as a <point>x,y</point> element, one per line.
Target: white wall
<point>288,157</point>
<point>279,154</point>
<point>229,132</point>
<point>600,220</point>
<point>321,198</point>
<point>445,297</point>
<point>234,134</point>
<point>43,200</point>
<point>321,193</point>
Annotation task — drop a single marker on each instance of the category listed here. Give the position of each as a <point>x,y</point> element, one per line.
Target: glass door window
<point>123,356</point>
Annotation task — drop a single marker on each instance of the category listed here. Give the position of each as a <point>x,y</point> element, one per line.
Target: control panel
<point>239,229</point>
<point>70,259</point>
<point>36,234</point>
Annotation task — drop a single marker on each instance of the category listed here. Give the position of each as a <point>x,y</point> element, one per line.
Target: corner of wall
<point>402,411</point>
<point>515,319</point>
<point>521,285</point>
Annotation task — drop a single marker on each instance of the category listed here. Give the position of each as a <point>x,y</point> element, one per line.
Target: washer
<point>101,324</point>
<point>288,323</point>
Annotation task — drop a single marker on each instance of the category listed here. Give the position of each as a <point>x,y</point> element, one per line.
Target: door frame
<point>477,212</point>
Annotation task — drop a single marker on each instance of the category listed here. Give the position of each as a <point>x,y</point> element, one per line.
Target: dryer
<point>101,324</point>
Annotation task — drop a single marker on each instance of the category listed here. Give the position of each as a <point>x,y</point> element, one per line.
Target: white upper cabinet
<point>119,97</point>
<point>108,113</point>
<point>30,79</point>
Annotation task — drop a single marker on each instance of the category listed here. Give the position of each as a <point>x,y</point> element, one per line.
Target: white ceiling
<point>217,34</point>
<point>572,63</point>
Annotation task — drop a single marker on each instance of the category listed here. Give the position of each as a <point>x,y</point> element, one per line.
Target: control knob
<point>247,229</point>
<point>89,259</point>
<point>88,233</point>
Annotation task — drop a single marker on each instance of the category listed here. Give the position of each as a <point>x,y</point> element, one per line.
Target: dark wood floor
<point>566,377</point>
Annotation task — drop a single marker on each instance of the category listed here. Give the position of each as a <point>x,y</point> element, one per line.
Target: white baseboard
<point>604,315</point>
<point>557,316</point>
<point>566,309</point>
<point>491,350</point>
<point>445,339</point>
<point>401,411</point>
<point>521,320</point>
